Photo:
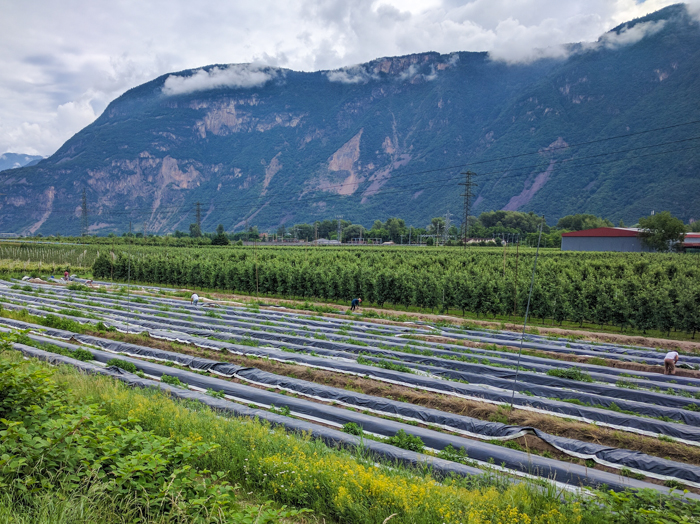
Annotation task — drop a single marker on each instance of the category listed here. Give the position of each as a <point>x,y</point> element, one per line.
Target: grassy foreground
<point>97,451</point>
<point>182,443</point>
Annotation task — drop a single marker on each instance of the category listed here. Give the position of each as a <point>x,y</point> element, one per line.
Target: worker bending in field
<point>194,299</point>
<point>670,363</point>
<point>355,303</point>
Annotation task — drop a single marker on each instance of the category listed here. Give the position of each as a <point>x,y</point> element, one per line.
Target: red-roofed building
<point>625,239</point>
<point>692,243</point>
<point>604,239</point>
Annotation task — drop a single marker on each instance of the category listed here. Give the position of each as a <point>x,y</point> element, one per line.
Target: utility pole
<point>340,228</point>
<point>199,216</point>
<point>468,194</point>
<point>84,217</point>
<point>145,230</point>
<point>515,280</point>
<point>316,233</point>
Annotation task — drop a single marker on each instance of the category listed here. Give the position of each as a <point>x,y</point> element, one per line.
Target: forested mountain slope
<point>268,146</point>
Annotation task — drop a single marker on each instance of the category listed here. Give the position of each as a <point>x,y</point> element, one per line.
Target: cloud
<point>238,75</point>
<point>63,62</point>
<point>693,8</point>
<point>52,131</point>
<point>630,35</point>
<point>350,75</point>
<point>517,43</point>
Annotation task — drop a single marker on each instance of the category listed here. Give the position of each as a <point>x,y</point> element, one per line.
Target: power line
<point>567,163</point>
<point>397,190</point>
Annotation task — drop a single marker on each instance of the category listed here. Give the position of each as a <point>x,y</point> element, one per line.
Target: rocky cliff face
<point>268,146</point>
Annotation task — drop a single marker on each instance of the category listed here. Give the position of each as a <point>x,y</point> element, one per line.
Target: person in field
<point>355,303</point>
<point>66,275</point>
<point>194,299</point>
<point>670,363</point>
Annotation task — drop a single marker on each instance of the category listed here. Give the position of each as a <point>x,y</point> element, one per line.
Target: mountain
<point>606,130</point>
<point>15,160</point>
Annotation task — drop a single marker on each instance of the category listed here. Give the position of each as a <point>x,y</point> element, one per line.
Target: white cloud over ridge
<point>630,35</point>
<point>350,75</point>
<point>63,62</point>
<point>237,75</point>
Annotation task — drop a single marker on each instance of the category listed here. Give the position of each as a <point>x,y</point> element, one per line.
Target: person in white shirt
<point>194,299</point>
<point>670,363</point>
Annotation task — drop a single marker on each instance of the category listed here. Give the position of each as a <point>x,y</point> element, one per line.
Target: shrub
<point>353,429</point>
<point>123,364</point>
<point>571,374</point>
<point>78,287</point>
<point>404,440</point>
<point>151,474</point>
<point>82,354</point>
<point>173,381</point>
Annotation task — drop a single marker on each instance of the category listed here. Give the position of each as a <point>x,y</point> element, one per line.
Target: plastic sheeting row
<point>648,356</point>
<point>644,403</point>
<point>647,426</point>
<point>604,374</point>
<point>635,461</point>
<point>448,361</point>
<point>498,358</point>
<point>529,465</point>
<point>334,438</point>
<point>605,350</point>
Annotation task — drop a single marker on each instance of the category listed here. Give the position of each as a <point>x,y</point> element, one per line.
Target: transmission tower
<point>468,194</point>
<point>84,217</point>
<point>340,228</point>
<point>446,232</point>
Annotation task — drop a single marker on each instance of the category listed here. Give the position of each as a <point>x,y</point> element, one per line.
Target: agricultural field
<point>426,422</point>
<point>635,293</point>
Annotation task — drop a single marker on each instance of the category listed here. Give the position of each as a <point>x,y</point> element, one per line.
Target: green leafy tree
<point>220,239</point>
<point>353,231</point>
<point>195,231</point>
<point>580,222</point>
<point>662,232</point>
<point>437,225</point>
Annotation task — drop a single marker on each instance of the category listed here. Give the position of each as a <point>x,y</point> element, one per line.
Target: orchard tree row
<point>641,291</point>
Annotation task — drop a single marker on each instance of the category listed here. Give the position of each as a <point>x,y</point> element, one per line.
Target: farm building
<point>625,239</point>
<point>604,239</point>
<point>692,243</point>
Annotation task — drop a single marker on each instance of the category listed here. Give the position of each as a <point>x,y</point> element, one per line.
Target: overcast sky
<point>62,62</point>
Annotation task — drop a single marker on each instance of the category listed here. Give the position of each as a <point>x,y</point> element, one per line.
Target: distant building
<point>692,243</point>
<point>626,239</point>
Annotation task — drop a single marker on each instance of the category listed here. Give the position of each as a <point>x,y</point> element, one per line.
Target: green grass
<point>570,373</point>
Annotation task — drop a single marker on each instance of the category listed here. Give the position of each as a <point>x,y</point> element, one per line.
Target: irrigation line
<point>527,311</point>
